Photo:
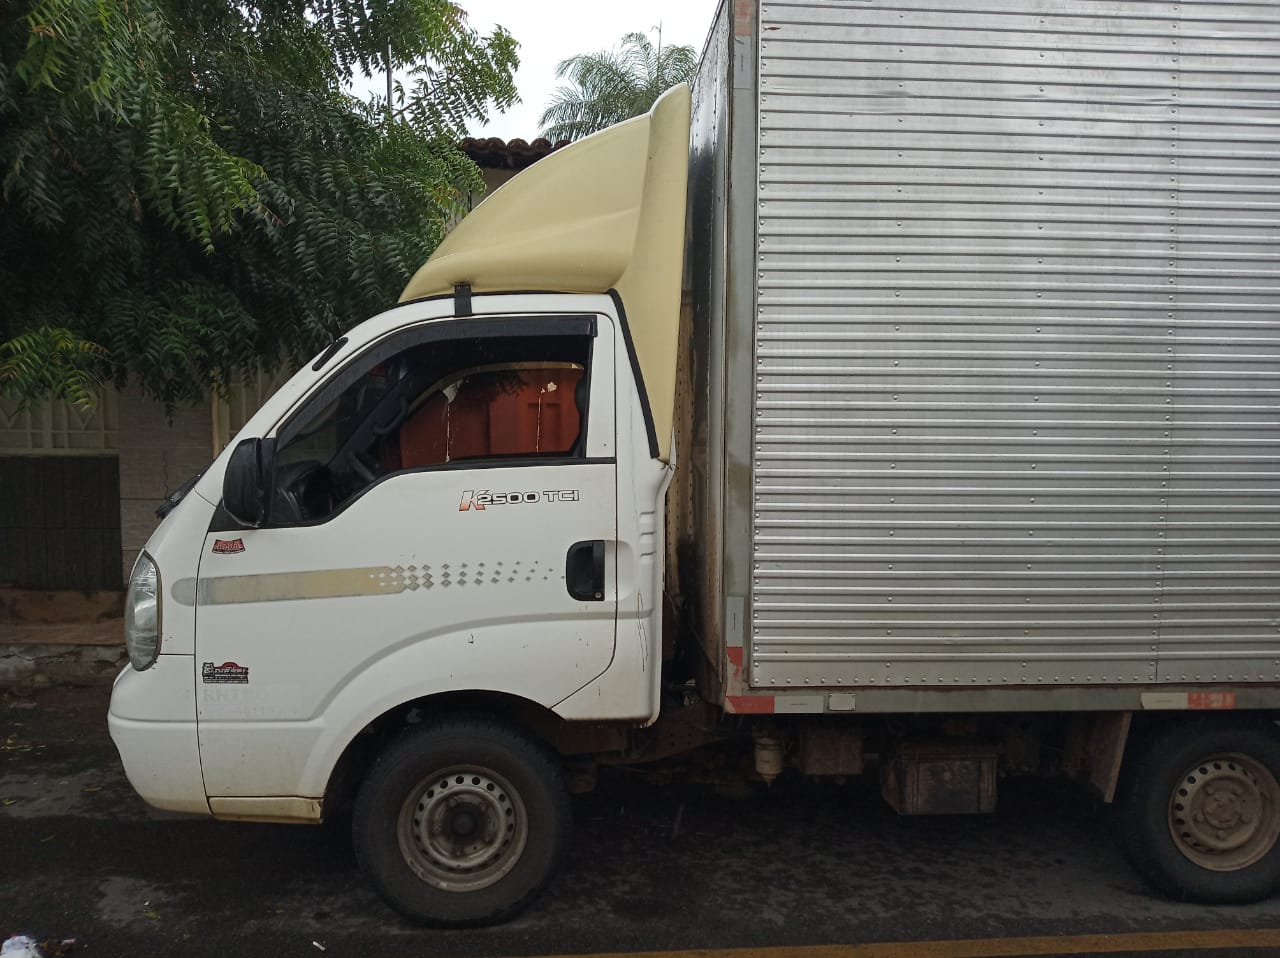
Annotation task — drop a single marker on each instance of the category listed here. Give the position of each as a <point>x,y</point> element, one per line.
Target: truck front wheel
<point>1200,816</point>
<point>461,822</point>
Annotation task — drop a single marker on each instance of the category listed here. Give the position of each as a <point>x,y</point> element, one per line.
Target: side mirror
<point>245,485</point>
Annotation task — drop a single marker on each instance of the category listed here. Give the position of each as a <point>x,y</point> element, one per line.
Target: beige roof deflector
<point>604,213</point>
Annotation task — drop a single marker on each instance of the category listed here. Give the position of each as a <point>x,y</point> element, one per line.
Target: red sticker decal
<point>228,673</point>
<point>222,547</point>
<point>1211,700</point>
<point>750,704</point>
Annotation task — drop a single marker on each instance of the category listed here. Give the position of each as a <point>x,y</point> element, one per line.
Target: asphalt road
<point>816,872</point>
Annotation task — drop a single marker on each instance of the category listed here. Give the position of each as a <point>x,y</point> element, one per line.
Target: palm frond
<point>610,86</point>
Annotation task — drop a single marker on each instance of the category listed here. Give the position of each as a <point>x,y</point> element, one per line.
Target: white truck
<point>958,461</point>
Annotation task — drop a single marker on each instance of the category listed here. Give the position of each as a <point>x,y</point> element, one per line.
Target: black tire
<point>461,822</point>
<point>1199,812</point>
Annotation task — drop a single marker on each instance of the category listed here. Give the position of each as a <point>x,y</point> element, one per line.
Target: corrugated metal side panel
<point>1018,371</point>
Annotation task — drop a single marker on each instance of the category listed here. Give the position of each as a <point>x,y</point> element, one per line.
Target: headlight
<point>142,614</point>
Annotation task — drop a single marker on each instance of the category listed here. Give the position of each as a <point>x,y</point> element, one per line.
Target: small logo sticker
<point>228,673</point>
<point>223,547</point>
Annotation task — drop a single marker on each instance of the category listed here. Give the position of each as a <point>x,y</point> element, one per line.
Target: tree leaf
<point>186,189</point>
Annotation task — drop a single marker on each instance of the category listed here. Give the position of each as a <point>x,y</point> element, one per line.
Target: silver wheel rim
<point>1224,813</point>
<point>463,828</point>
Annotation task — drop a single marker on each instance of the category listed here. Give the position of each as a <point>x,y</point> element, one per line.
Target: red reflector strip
<point>1211,700</point>
<point>750,704</point>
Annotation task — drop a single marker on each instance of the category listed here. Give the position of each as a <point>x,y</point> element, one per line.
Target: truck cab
<point>458,501</point>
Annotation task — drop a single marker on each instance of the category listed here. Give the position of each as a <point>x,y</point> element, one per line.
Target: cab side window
<point>432,405</point>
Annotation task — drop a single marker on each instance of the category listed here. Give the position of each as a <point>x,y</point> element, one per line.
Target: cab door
<point>442,518</point>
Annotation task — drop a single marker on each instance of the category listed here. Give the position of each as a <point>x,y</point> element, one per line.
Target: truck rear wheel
<point>461,822</point>
<point>1200,817</point>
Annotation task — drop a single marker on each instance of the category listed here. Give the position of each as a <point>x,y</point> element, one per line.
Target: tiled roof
<point>493,153</point>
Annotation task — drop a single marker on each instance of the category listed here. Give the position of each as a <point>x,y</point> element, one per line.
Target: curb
<point>71,654</point>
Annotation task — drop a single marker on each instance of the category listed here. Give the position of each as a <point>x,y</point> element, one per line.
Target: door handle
<point>584,570</point>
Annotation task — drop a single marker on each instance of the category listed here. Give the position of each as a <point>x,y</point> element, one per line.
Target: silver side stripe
<point>337,583</point>
<point>281,586</point>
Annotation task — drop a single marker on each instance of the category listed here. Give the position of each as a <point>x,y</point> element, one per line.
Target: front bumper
<point>152,719</point>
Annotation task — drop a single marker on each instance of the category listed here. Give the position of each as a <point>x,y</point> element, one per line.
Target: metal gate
<point>59,496</point>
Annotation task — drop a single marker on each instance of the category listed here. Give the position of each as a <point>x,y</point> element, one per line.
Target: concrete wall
<point>493,178</point>
<point>157,454</point>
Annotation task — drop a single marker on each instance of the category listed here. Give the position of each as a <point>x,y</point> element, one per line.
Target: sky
<point>553,30</point>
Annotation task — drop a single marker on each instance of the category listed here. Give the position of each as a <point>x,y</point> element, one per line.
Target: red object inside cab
<point>496,413</point>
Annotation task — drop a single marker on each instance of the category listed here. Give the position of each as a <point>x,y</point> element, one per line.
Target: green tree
<point>187,189</point>
<point>614,85</point>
